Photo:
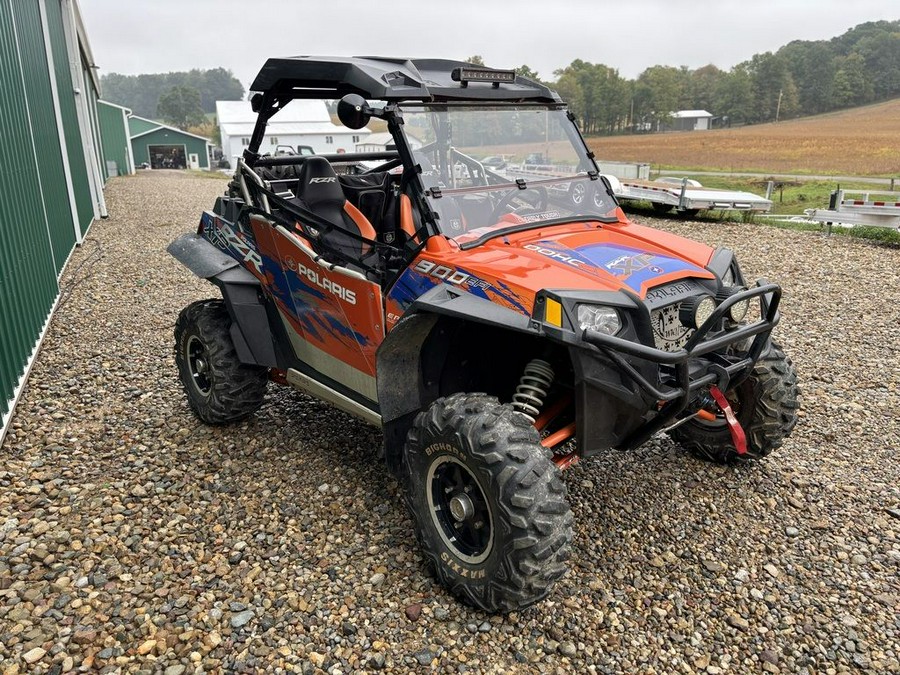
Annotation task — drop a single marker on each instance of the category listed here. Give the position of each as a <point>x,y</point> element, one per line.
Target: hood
<point>587,256</point>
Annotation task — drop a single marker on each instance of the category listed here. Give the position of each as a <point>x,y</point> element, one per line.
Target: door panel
<point>335,320</point>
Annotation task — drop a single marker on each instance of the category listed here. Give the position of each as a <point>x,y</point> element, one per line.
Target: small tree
<point>180,107</point>
<point>525,71</point>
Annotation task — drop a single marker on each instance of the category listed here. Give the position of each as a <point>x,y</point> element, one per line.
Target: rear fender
<point>242,292</point>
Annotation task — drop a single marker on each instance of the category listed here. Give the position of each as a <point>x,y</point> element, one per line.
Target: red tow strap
<point>737,432</point>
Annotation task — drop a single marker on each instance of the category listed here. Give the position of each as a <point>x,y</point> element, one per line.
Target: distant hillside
<point>802,78</point>
<point>859,141</point>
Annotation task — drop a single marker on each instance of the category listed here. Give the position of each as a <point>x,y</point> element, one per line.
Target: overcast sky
<point>630,35</point>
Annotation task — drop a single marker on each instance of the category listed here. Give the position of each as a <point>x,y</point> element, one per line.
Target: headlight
<point>695,311</point>
<point>599,318</point>
<point>738,310</point>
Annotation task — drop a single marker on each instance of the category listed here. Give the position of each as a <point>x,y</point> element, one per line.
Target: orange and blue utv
<point>474,289</point>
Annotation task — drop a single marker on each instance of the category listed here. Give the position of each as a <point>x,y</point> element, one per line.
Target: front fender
<point>411,357</point>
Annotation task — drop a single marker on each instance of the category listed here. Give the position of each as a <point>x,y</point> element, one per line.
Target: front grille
<point>669,333</point>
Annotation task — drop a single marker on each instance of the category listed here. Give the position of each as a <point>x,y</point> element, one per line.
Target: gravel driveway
<point>134,538</point>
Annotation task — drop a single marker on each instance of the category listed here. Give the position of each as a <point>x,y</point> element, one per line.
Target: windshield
<point>488,169</point>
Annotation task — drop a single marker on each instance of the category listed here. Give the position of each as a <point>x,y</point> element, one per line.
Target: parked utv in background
<point>497,326</point>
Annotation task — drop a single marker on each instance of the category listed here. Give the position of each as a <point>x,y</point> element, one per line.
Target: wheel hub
<point>461,507</point>
<point>460,510</point>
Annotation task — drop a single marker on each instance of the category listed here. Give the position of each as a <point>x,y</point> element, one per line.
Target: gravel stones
<point>241,619</point>
<point>33,655</point>
<point>567,649</point>
<point>126,525</point>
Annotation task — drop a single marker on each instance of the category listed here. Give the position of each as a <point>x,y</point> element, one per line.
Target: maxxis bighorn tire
<point>219,388</point>
<point>766,406</point>
<point>510,485</point>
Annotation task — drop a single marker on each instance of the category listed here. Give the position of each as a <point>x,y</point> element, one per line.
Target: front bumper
<point>690,373</point>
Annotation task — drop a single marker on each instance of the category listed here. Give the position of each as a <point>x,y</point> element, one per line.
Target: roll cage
<point>394,81</point>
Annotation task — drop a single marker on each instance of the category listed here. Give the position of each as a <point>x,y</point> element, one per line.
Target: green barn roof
<point>138,126</point>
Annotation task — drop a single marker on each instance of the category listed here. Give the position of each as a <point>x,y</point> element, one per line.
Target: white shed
<point>301,122</point>
<point>691,120</point>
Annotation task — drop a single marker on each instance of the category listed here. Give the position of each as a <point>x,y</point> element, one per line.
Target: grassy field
<point>861,141</point>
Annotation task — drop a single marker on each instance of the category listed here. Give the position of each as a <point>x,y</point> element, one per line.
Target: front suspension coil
<point>532,389</point>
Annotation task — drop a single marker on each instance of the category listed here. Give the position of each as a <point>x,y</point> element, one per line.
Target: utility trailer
<point>687,196</point>
<point>871,208</point>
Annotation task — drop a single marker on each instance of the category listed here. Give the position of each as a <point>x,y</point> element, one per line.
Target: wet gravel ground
<point>133,538</point>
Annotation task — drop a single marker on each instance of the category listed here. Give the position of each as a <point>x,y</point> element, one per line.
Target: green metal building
<point>160,146</point>
<point>116,138</point>
<point>52,171</point>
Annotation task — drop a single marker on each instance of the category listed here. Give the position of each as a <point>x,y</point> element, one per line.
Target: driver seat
<point>318,188</point>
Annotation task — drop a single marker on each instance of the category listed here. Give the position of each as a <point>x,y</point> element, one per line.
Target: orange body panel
<point>338,314</point>
<point>510,270</point>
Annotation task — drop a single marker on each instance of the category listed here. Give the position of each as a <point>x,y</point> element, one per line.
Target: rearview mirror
<point>353,111</point>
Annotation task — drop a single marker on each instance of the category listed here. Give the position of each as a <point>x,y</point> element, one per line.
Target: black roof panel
<point>388,79</point>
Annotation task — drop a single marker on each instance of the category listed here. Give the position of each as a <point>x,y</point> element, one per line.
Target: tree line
<point>802,78</point>
<point>181,98</point>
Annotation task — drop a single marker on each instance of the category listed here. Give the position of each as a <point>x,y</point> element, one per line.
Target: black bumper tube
<point>723,374</point>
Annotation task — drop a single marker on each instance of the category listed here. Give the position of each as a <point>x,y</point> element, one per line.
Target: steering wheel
<point>503,205</point>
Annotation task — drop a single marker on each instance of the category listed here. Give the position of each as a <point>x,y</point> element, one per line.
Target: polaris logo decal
<point>326,284</point>
<point>323,179</point>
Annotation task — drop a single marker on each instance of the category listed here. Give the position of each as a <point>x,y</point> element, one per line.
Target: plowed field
<point>860,141</point>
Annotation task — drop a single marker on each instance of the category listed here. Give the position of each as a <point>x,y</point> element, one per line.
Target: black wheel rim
<point>459,509</point>
<point>198,364</point>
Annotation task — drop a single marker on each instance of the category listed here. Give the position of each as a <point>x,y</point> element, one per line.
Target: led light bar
<point>495,77</point>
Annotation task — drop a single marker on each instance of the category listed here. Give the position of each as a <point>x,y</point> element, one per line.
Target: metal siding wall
<point>115,136</point>
<point>92,100</point>
<point>28,279</point>
<point>43,122</point>
<point>80,181</point>
<point>139,150</point>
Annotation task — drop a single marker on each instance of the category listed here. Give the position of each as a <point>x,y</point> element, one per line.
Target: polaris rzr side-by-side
<point>499,320</point>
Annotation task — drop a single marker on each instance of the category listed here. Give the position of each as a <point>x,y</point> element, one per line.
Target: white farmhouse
<point>301,122</point>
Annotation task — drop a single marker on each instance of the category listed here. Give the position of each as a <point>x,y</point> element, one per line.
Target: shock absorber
<point>533,387</point>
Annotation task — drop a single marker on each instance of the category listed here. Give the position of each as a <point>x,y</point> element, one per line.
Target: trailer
<point>871,208</point>
<point>687,196</point>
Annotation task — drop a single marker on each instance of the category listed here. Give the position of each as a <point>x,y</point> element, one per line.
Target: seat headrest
<point>318,183</point>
